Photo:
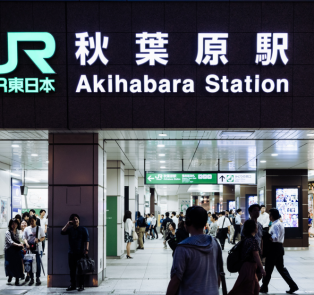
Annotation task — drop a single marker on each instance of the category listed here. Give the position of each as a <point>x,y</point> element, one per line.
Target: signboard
<point>16,197</point>
<point>237,178</point>
<point>178,178</point>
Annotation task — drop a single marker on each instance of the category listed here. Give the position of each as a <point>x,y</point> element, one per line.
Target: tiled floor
<point>149,271</point>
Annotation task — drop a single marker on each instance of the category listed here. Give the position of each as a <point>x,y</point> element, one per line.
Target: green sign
<point>180,178</point>
<point>111,226</point>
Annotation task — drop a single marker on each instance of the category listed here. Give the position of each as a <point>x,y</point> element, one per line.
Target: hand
<point>86,252</point>
<point>36,241</point>
<point>21,245</point>
<point>241,223</point>
<point>263,272</point>
<point>70,223</point>
<point>27,246</point>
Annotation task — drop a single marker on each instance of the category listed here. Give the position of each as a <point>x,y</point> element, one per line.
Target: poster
<point>16,197</point>
<point>252,200</point>
<point>261,197</point>
<point>287,202</point>
<point>4,212</point>
<point>231,205</point>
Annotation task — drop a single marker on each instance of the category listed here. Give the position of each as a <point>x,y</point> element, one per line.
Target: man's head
<point>25,216</point>
<point>226,212</point>
<point>32,220</point>
<point>75,220</point>
<point>167,214</point>
<point>263,209</point>
<point>32,212</point>
<point>152,215</point>
<point>209,214</point>
<point>274,214</point>
<point>219,214</point>
<point>181,213</point>
<point>196,218</point>
<point>162,216</point>
<point>42,212</point>
<point>254,211</point>
<point>173,214</point>
<point>231,211</point>
<point>239,211</point>
<point>222,213</point>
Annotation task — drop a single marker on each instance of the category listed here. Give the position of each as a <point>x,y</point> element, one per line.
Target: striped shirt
<point>8,242</point>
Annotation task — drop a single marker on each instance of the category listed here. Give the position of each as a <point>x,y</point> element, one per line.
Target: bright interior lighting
<point>34,155</point>
<point>162,161</point>
<point>161,155</point>
<point>274,155</point>
<point>14,174</point>
<point>47,161</point>
<point>31,179</point>
<point>263,161</point>
<point>162,167</point>
<point>161,145</point>
<point>162,134</point>
<point>14,145</point>
<point>236,133</point>
<point>310,134</point>
<point>164,187</point>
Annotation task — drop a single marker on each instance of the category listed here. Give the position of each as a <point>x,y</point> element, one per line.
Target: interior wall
<point>5,195</point>
<point>172,203</point>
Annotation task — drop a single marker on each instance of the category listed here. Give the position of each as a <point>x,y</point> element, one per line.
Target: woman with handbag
<point>13,246</point>
<point>252,269</point>
<point>128,229</point>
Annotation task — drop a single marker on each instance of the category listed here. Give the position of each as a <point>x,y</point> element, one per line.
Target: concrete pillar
<point>227,194</point>
<point>76,185</point>
<point>141,195</point>
<point>115,209</point>
<point>240,194</point>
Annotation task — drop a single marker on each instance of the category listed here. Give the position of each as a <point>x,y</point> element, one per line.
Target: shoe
<point>44,253</point>
<point>38,282</point>
<point>17,282</point>
<point>27,279</point>
<point>31,282</point>
<point>80,288</point>
<point>263,289</point>
<point>129,257</point>
<point>292,290</point>
<point>70,288</point>
<point>9,279</point>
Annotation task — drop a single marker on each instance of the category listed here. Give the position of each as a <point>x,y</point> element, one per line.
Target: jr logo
<point>38,56</point>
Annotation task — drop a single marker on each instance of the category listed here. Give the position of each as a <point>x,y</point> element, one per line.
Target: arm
<point>228,229</point>
<point>173,286</point>
<point>86,246</point>
<point>9,240</point>
<point>65,228</point>
<point>259,263</point>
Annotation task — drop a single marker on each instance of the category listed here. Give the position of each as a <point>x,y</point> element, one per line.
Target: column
<point>141,193</point>
<point>76,185</point>
<point>241,192</point>
<point>115,209</point>
<point>227,195</point>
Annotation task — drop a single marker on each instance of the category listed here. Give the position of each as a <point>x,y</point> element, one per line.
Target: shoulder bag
<point>33,247</point>
<point>220,230</point>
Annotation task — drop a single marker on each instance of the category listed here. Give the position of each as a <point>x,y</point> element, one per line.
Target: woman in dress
<point>212,229</point>
<point>128,232</point>
<point>13,246</point>
<point>252,269</point>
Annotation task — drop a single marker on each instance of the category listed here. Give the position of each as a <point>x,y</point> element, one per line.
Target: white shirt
<point>128,226</point>
<point>43,223</point>
<point>277,231</point>
<point>154,221</point>
<point>238,219</point>
<point>223,220</point>
<point>30,235</point>
<point>263,219</point>
<point>149,220</point>
<point>175,220</point>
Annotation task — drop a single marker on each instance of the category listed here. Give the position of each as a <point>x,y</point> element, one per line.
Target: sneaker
<point>292,290</point>
<point>27,279</point>
<point>80,288</point>
<point>44,253</point>
<point>38,282</point>
<point>71,288</point>
<point>31,282</point>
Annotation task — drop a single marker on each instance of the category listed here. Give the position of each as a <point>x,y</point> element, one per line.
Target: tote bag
<point>30,264</point>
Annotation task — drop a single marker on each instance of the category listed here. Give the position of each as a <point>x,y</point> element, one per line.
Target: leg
<point>128,248</point>
<point>38,259</point>
<point>269,267</point>
<point>140,238</point>
<point>72,265</point>
<point>236,231</point>
<point>43,245</point>
<point>284,272</point>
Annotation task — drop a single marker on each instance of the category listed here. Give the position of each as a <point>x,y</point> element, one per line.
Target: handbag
<point>135,236</point>
<point>85,265</point>
<point>30,263</point>
<point>221,270</point>
<point>33,246</point>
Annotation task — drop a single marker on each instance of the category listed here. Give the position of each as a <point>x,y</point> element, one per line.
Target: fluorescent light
<point>34,155</point>
<point>161,145</point>
<point>161,155</point>
<point>162,161</point>
<point>164,187</point>
<point>14,145</point>
<point>47,161</point>
<point>162,134</point>
<point>274,155</point>
<point>310,134</point>
<point>236,133</point>
<point>162,167</point>
<point>263,161</point>
<point>14,174</point>
<point>31,179</point>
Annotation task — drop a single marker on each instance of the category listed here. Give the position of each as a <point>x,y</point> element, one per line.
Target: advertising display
<point>3,212</point>
<point>16,197</point>
<point>261,197</point>
<point>250,200</point>
<point>287,202</point>
<point>231,205</point>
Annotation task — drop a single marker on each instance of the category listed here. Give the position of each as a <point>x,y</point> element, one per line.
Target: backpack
<point>234,261</point>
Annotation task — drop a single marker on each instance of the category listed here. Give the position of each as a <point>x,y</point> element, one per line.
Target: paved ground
<point>148,273</point>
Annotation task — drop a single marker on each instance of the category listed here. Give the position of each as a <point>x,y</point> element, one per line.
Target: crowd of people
<point>25,234</point>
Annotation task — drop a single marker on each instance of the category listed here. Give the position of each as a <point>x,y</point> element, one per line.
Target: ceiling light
<point>161,155</point>
<point>162,134</point>
<point>164,187</point>
<point>14,145</point>
<point>34,155</point>
<point>47,161</point>
<point>310,134</point>
<point>162,161</point>
<point>14,174</point>
<point>236,133</point>
<point>162,167</point>
<point>161,145</point>
<point>274,155</point>
<point>31,179</point>
<point>263,161</point>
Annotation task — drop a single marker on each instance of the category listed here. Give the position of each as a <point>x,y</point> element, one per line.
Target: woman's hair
<point>249,227</point>
<point>181,224</point>
<point>231,211</point>
<point>127,215</point>
<point>35,218</point>
<point>173,225</point>
<point>25,214</point>
<point>214,216</point>
<point>13,220</point>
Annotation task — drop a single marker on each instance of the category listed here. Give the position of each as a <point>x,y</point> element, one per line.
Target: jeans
<point>38,259</point>
<point>72,259</point>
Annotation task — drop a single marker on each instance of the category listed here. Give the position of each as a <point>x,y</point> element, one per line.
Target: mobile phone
<point>71,222</point>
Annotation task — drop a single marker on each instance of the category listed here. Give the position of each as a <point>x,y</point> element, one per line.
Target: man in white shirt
<point>43,225</point>
<point>237,225</point>
<point>34,234</point>
<point>276,253</point>
<point>263,218</point>
<point>223,229</point>
<point>153,226</point>
<point>149,222</point>
<point>175,219</point>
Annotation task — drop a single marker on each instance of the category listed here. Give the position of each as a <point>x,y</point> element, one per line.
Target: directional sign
<point>237,178</point>
<point>180,178</point>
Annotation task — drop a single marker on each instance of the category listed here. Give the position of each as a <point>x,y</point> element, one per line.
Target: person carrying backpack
<point>165,226</point>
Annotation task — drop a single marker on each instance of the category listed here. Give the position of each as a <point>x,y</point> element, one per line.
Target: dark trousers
<point>237,230</point>
<point>222,236</point>
<point>155,230</point>
<point>275,258</point>
<point>43,245</point>
<point>38,270</point>
<point>73,258</point>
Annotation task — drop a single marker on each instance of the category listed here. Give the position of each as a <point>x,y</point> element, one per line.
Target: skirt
<point>13,262</point>
<point>128,238</point>
<point>247,281</point>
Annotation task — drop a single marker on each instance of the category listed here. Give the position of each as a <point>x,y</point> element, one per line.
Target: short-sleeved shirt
<point>77,237</point>
<point>30,235</point>
<point>250,245</point>
<point>223,222</point>
<point>43,222</point>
